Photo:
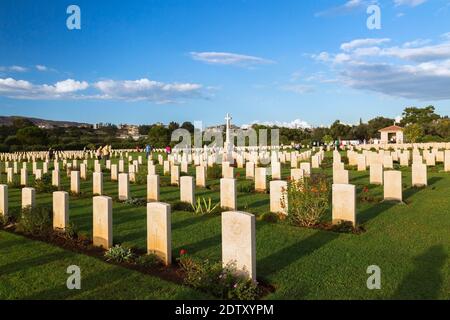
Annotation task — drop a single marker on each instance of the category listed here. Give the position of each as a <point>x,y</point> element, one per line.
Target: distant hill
<point>8,121</point>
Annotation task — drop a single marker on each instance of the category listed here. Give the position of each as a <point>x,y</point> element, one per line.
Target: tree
<point>413,132</point>
<point>339,130</point>
<point>188,126</point>
<point>159,136</point>
<point>173,126</point>
<point>327,139</point>
<point>376,124</point>
<point>422,116</point>
<point>32,136</point>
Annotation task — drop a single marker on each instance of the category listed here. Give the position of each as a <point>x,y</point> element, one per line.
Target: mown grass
<point>409,242</point>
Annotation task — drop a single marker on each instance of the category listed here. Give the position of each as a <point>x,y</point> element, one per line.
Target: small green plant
<point>35,221</point>
<point>182,206</point>
<point>119,254</point>
<point>71,231</point>
<point>223,282</point>
<point>269,217</point>
<point>149,261</point>
<point>214,172</point>
<point>246,187</point>
<point>136,202</point>
<point>204,207</point>
<point>44,184</point>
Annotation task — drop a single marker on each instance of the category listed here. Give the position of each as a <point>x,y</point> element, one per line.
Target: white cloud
<point>13,68</point>
<point>346,8</point>
<point>295,124</point>
<point>419,71</point>
<point>298,88</point>
<point>227,58</point>
<point>40,67</point>
<point>416,43</point>
<point>150,90</point>
<point>409,3</point>
<point>129,90</point>
<point>358,43</point>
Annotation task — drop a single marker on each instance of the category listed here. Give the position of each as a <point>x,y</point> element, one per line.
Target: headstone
<point>102,222</point>
<point>3,200</point>
<point>419,175</point>
<point>376,173</point>
<point>60,210</point>
<point>23,177</point>
<point>278,197</point>
<point>260,179</point>
<point>124,187</point>
<point>344,203</point>
<point>187,193</point>
<point>75,182</point>
<point>393,185</point>
<point>228,194</point>
<point>250,170</point>
<point>340,177</point>
<point>239,242</point>
<point>114,172</point>
<point>175,175</point>
<point>97,183</point>
<point>200,176</point>
<point>297,174</point>
<point>55,178</point>
<point>152,188</point>
<point>28,197</point>
<point>159,232</point>
<point>306,166</point>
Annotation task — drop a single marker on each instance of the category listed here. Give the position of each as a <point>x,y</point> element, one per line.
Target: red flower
<point>365,190</point>
<point>183,252</point>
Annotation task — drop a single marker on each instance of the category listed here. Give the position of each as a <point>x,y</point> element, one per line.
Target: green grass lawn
<point>409,242</point>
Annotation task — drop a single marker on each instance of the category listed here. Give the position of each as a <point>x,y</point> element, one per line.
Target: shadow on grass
<point>32,262</point>
<point>374,211</point>
<point>425,281</point>
<point>288,255</point>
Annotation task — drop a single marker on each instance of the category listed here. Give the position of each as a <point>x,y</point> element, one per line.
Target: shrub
<point>149,261</point>
<point>222,282</point>
<point>71,231</point>
<point>182,206</point>
<point>307,200</point>
<point>35,221</point>
<point>269,217</point>
<point>119,254</point>
<point>246,187</point>
<point>136,202</point>
<point>214,172</point>
<point>45,184</point>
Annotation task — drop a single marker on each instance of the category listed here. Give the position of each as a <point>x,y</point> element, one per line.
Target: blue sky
<point>291,62</point>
